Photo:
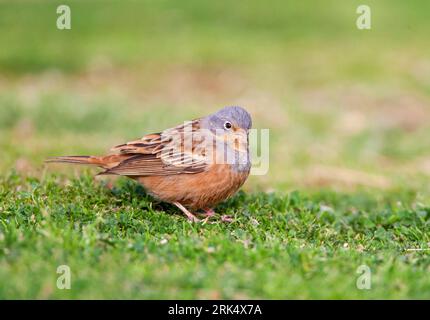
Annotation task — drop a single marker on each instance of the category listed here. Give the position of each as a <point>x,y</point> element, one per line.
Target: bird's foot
<point>210,213</point>
<point>189,215</point>
<point>193,218</point>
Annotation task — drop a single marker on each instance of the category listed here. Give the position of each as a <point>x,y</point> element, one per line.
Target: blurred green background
<point>347,109</point>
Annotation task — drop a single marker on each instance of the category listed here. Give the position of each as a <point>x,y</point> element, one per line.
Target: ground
<point>348,113</point>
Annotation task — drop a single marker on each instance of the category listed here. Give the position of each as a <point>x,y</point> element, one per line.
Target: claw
<point>205,220</point>
<point>208,214</point>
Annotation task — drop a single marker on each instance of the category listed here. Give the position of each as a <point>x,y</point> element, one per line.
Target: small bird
<point>194,165</point>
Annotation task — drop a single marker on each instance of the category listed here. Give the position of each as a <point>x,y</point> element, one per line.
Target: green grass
<point>120,244</point>
<point>348,113</point>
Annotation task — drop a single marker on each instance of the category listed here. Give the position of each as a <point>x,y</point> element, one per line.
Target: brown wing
<point>165,153</point>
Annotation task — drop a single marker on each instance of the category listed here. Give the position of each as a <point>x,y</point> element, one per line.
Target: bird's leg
<point>190,216</point>
<point>208,212</point>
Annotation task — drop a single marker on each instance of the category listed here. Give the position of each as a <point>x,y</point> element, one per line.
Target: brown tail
<point>90,160</point>
<point>106,162</point>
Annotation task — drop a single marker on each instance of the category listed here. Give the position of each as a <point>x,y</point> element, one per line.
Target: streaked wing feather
<point>161,154</point>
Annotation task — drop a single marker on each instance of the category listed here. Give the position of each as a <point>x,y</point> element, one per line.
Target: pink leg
<point>190,216</point>
<point>209,212</point>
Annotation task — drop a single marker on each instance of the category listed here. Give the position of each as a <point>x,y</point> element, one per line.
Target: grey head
<point>228,118</point>
<point>232,123</point>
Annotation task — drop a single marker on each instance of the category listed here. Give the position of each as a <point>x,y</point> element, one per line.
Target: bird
<point>194,165</point>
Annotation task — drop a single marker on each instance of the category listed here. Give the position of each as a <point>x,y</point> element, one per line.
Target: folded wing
<point>174,151</point>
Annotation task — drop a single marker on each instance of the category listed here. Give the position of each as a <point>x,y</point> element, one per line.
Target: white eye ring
<point>227,125</point>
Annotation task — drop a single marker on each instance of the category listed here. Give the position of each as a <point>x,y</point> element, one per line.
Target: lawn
<point>349,118</point>
<point>120,244</point>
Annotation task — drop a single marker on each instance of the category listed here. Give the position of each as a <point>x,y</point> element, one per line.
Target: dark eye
<point>227,125</point>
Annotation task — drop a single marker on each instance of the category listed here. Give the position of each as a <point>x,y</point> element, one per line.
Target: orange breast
<point>196,191</point>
